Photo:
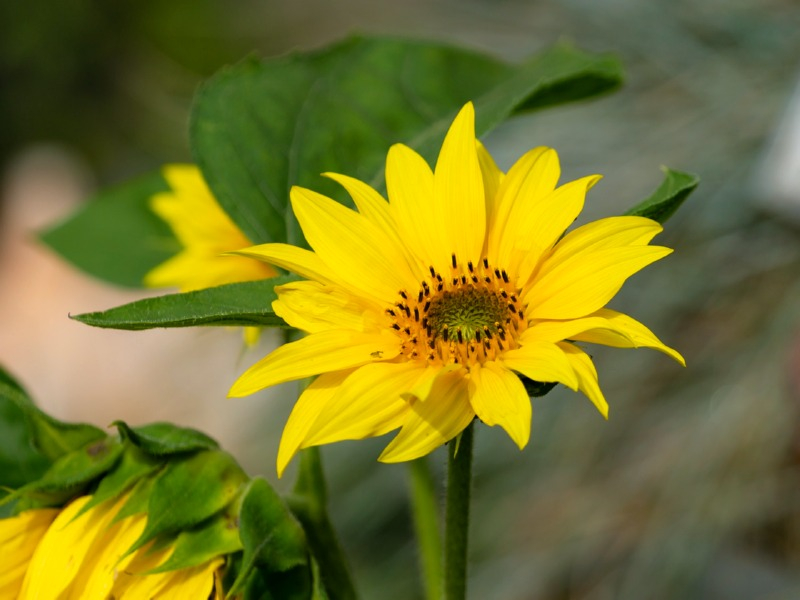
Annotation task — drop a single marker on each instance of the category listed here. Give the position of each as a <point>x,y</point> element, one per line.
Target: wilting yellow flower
<point>68,555</point>
<point>421,311</point>
<point>205,233</point>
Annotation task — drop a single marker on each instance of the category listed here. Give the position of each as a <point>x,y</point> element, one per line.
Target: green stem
<point>425,508</point>
<point>459,487</point>
<point>309,504</point>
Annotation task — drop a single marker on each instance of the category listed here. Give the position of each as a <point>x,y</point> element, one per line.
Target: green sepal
<point>274,544</point>
<point>165,439</point>
<point>668,197</point>
<point>217,536</point>
<point>132,467</point>
<point>258,128</point>
<point>51,437</point>
<point>189,490</point>
<point>20,461</point>
<point>115,236</point>
<point>536,389</point>
<point>69,476</point>
<point>137,501</point>
<point>245,304</point>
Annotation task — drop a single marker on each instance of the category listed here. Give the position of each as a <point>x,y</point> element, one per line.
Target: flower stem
<point>459,488</point>
<point>425,510</point>
<point>309,504</point>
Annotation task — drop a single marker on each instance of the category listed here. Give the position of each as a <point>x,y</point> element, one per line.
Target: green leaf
<point>248,303</point>
<point>273,541</point>
<point>115,236</point>
<point>669,196</point>
<point>51,437</point>
<point>216,537</point>
<point>165,439</point>
<point>190,490</point>
<point>260,127</point>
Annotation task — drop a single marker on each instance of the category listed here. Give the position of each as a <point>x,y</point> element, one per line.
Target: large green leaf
<point>115,236</point>
<point>668,197</point>
<point>248,303</point>
<point>260,127</point>
<point>165,439</point>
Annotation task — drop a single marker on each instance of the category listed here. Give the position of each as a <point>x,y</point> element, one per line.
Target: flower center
<point>468,316</point>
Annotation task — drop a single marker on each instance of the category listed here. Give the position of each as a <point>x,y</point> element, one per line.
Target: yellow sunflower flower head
<point>422,312</point>
<point>205,233</point>
<point>77,553</point>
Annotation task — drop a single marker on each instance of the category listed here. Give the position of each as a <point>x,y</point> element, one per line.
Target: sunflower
<point>205,233</point>
<point>79,552</point>
<point>422,312</point>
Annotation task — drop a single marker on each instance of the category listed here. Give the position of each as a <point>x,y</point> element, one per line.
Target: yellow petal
<point>297,260</point>
<point>352,247</point>
<point>622,331</point>
<point>429,424</point>
<point>195,582</point>
<point>376,210</point>
<point>541,361</point>
<point>499,398</point>
<point>534,231</point>
<point>19,537</point>
<point>491,175</point>
<point>458,190</point>
<point>527,182</point>
<point>587,375</point>
<point>306,410</point>
<point>369,403</point>
<point>60,554</point>
<point>315,307</point>
<point>585,282</point>
<point>607,233</point>
<point>409,182</point>
<point>316,353</point>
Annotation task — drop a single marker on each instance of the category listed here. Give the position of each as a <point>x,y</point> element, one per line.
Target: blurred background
<point>689,491</point>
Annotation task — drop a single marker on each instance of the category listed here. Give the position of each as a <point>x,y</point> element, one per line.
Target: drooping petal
<point>431,423</point>
<point>351,246</point>
<point>314,307</point>
<point>623,331</point>
<point>458,189</point>
<point>409,182</point>
<point>321,352</point>
<point>527,182</point>
<point>306,410</point>
<point>499,398</point>
<point>369,403</point>
<point>541,361</point>
<point>297,260</point>
<point>582,284</point>
<point>587,375</point>
<point>605,326</point>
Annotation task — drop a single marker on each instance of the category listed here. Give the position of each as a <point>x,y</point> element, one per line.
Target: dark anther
<point>470,266</point>
<point>460,337</point>
<point>427,306</point>
<point>429,331</point>
<point>416,314</point>
<point>440,287</point>
<point>474,279</point>
<point>513,297</point>
<point>445,333</point>
<point>487,279</point>
<point>487,332</point>
<point>512,307</point>
<point>464,279</point>
<point>520,314</point>
<point>391,312</point>
<point>403,295</point>
<point>432,344</point>
<point>439,277</point>
<point>453,260</point>
<point>455,280</point>
<point>485,263</point>
<point>505,276</point>
<point>407,311</point>
<point>419,296</point>
<point>497,273</point>
<point>407,330</point>
<point>396,326</point>
<point>477,336</point>
<point>504,293</point>
<point>433,271</point>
